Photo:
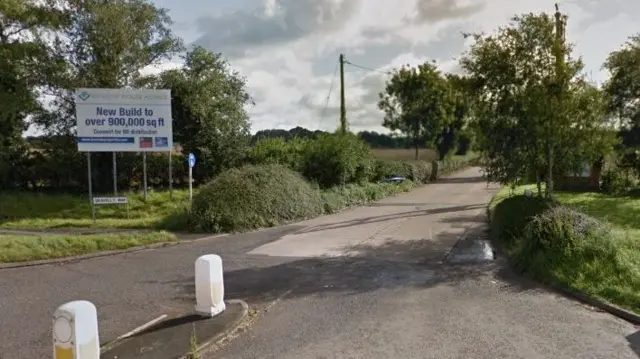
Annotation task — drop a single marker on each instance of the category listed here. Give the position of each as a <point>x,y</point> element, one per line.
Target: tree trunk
<point>539,182</point>
<point>417,150</point>
<point>549,182</point>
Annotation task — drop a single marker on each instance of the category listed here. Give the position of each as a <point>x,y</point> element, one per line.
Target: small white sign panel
<point>110,200</point>
<point>123,120</point>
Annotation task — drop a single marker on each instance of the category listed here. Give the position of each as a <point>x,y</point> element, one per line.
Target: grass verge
<point>587,242</point>
<point>20,248</point>
<point>22,210</point>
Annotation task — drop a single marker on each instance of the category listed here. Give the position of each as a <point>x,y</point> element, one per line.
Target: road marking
<point>142,327</point>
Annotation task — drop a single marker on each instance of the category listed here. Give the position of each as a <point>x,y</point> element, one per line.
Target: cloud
<point>429,11</point>
<point>288,49</point>
<point>276,22</point>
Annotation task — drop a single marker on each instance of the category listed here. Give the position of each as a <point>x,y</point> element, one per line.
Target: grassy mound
<point>252,197</point>
<point>556,244</point>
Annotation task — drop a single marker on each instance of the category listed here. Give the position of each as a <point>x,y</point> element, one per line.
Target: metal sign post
<point>115,176</point>
<point>144,174</point>
<point>192,162</point>
<point>170,175</point>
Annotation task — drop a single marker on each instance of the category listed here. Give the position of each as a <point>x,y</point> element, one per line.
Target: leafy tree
<point>26,65</point>
<point>418,102</point>
<point>209,116</point>
<point>449,138</point>
<point>623,88</point>
<point>530,97</point>
<point>105,45</point>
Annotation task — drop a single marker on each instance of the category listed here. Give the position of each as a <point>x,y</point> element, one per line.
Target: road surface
<point>365,283</point>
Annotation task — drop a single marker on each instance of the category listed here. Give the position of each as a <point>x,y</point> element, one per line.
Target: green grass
<point>606,265</point>
<point>19,248</point>
<point>29,210</point>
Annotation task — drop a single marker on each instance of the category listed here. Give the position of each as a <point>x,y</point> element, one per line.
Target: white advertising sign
<point>123,120</point>
<point>110,200</point>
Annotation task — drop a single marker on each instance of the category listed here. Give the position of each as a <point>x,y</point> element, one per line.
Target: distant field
<point>424,154</point>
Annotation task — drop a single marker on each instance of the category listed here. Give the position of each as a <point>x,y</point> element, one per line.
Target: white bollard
<point>209,286</point>
<point>75,331</point>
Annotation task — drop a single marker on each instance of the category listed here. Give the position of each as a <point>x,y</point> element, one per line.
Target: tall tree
<point>418,102</point>
<point>623,88</point>
<point>208,104</point>
<point>26,66</point>
<point>527,90</point>
<point>449,139</point>
<point>105,45</point>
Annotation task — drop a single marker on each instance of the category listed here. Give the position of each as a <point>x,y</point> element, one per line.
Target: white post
<point>209,286</point>
<point>75,331</point>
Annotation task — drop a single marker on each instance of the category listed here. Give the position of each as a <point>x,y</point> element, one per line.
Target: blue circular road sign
<point>192,160</point>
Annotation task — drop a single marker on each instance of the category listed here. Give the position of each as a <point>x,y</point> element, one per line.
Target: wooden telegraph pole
<point>343,109</point>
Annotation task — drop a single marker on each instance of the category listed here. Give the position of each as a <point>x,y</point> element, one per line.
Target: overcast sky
<point>288,49</point>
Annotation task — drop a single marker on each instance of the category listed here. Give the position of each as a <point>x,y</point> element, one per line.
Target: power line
<point>326,104</point>
<point>367,68</point>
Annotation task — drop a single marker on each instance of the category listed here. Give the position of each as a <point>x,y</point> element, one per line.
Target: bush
<point>277,150</point>
<point>560,246</point>
<point>339,198</point>
<point>616,182</point>
<point>553,237</point>
<point>252,197</point>
<point>335,159</point>
<point>510,217</point>
<point>416,171</point>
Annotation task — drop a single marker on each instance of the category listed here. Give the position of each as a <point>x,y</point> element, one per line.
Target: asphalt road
<point>368,282</point>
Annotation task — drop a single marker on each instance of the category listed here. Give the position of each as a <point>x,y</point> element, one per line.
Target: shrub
<point>416,171</point>
<point>252,197</point>
<point>555,236</point>
<point>334,159</point>
<point>616,182</point>
<point>278,150</point>
<point>339,198</point>
<point>510,217</point>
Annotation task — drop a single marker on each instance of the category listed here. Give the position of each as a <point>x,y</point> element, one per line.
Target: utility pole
<point>343,109</point>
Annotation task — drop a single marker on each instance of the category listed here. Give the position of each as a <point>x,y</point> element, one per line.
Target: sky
<point>288,49</point>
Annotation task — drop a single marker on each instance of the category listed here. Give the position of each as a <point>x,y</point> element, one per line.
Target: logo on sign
<point>146,142</point>
<point>84,95</point>
<point>162,141</point>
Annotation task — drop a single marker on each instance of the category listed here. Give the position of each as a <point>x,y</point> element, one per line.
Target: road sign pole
<point>115,176</point>
<point>144,173</point>
<point>170,175</point>
<point>191,160</point>
<point>190,183</point>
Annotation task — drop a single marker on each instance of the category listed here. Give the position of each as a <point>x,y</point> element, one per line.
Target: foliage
<point>532,100</point>
<point>335,159</point>
<point>208,108</point>
<point>270,150</point>
<point>616,182</point>
<point>252,197</point>
<point>340,198</point>
<point>510,217</point>
<point>26,65</point>
<point>558,244</point>
<point>418,102</point>
<point>623,86</point>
